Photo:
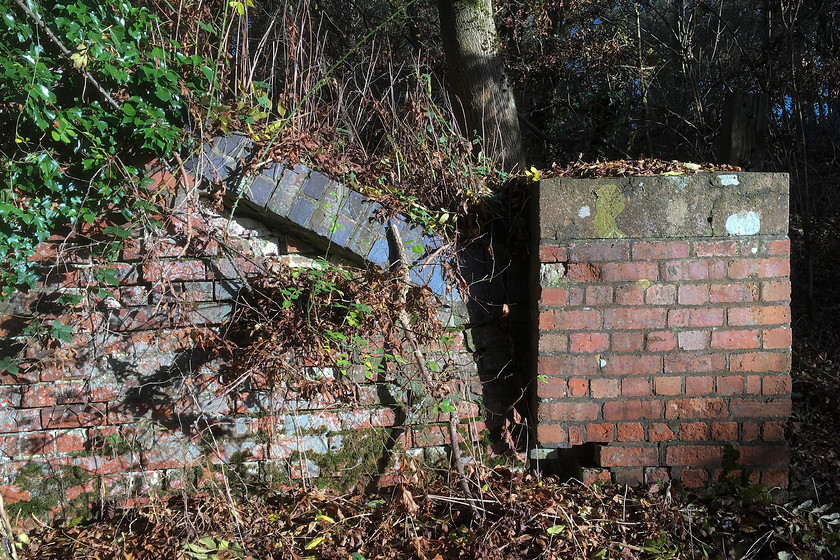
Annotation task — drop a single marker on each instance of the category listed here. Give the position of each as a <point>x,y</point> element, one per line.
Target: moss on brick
<point>47,491</point>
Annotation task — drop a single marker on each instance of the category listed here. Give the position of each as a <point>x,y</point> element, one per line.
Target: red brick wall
<point>663,351</point>
<point>138,404</point>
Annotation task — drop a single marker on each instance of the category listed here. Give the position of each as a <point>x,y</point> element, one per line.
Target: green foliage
<point>70,151</point>
<point>208,548</point>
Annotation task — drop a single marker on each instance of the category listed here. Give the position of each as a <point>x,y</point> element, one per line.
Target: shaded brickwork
<point>670,339</point>
<point>138,401</point>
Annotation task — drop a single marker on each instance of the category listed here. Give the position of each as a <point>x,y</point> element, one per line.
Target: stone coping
<point>718,204</point>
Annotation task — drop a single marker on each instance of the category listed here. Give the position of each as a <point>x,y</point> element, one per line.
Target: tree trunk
<point>482,98</point>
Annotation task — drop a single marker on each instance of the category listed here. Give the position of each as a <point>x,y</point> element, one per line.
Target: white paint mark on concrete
<point>583,212</point>
<point>728,180</point>
<point>745,222</point>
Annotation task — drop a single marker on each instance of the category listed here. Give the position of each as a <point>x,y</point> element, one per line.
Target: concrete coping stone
<point>716,204</point>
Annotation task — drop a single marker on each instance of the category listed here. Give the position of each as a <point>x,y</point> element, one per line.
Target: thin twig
<point>402,266</point>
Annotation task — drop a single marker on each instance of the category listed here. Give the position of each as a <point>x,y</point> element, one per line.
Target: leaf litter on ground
<point>526,516</point>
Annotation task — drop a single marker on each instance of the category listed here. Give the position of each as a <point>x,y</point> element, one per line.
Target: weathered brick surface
<point>136,400</point>
<point>681,341</point>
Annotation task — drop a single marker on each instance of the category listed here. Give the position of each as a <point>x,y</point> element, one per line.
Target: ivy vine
<point>91,91</point>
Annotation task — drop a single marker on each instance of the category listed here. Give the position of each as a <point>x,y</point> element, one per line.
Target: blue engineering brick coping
<point>330,212</point>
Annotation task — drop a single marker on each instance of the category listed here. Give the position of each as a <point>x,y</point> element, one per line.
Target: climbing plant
<point>91,91</point>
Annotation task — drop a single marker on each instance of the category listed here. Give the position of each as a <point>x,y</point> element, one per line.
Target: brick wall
<point>670,339</point>
<point>139,403</point>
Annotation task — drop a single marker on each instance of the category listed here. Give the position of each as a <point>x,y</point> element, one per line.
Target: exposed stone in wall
<point>664,324</point>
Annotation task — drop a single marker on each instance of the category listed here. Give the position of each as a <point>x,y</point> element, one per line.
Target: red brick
<point>583,272</point>
<point>652,250</point>
<point>575,296</point>
<point>699,385</point>
<point>724,431</point>
<point>629,272</point>
<point>694,408</point>
<point>749,431</point>
<point>778,247</point>
<point>20,420</point>
<point>667,385</point>
<point>567,365</point>
<point>735,339</point>
<point>657,475</point>
<point>753,384</point>
<point>551,433</point>
<point>599,295</point>
<point>625,456</point>
<point>703,317</point>
<point>693,340</point>
<point>777,338</point>
<point>773,431</point>
<point>776,291</point>
<point>600,432</point>
<point>733,293</point>
<point>70,441</point>
<point>599,251</point>
<point>694,431</point>
<point>759,408</point>
<point>553,342</point>
<point>71,416</point>
<point>568,411</point>
<point>553,297</point>
<point>730,385</point>
<point>605,388</point>
<point>764,455</point>
<point>592,475</point>
<point>623,364</point>
<point>630,294</point>
<point>661,294</point>
<point>551,388</point>
<point>576,435</point>
<point>694,362</point>
<point>694,294</point>
<point>36,443</point>
<point>632,410</point>
<point>760,362</point>
<point>589,342</point>
<point>174,270</point>
<point>774,478</point>
<point>548,320</point>
<point>634,318</point>
<point>776,385</point>
<point>38,396</point>
<point>694,478</point>
<point>765,315</point>
<point>694,455</point>
<point>553,254</point>
<point>691,269</point>
<point>660,432</point>
<point>661,341</point>
<point>635,387</point>
<point>630,431</point>
<point>774,267</point>
<point>715,249</point>
<point>627,341</point>
<point>577,387</point>
<point>578,319</point>
<point>628,477</point>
